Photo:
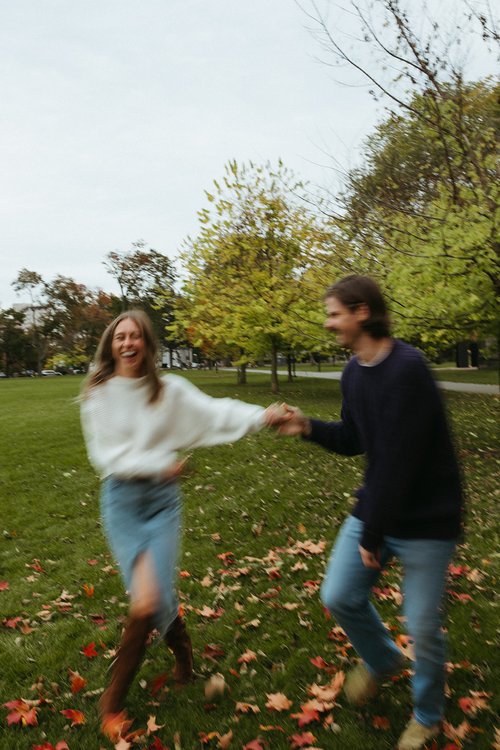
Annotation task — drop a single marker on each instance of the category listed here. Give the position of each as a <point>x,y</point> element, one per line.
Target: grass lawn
<point>259,518</point>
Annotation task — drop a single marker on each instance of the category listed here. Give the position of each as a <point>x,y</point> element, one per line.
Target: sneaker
<point>360,685</point>
<point>416,735</point>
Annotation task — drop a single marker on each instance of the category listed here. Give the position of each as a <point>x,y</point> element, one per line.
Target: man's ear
<point>362,312</point>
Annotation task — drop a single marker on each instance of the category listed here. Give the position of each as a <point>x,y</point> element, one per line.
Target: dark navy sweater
<point>393,413</point>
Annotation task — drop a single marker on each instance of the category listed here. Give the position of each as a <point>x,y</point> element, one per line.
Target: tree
<point>422,210</point>
<point>32,283</point>
<point>247,265</point>
<point>146,279</point>
<point>16,347</point>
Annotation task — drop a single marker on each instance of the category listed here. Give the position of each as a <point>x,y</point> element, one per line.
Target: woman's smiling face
<point>128,349</point>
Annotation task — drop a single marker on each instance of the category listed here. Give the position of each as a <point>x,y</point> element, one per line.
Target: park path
<point>446,385</point>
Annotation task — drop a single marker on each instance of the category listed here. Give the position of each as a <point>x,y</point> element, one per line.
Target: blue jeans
<point>346,592</point>
<point>145,516</point>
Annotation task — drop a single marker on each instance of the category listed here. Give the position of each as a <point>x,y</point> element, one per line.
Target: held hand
<point>370,559</point>
<point>295,424</point>
<point>275,415</point>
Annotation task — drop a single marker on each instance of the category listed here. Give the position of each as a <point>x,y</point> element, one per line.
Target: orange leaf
<point>225,740</point>
<point>76,717</point>
<point>247,657</point>
<point>88,589</point>
<point>77,682</point>
<point>245,708</point>
<point>381,722</point>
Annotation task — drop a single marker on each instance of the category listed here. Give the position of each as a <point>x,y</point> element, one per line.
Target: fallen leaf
<point>301,740</point>
<point>215,686</point>
<point>381,722</point>
<point>225,740</point>
<point>306,717</point>
<point>253,745</point>
<point>77,682</point>
<point>4,585</point>
<point>89,651</point>
<point>76,717</point>
<point>22,713</point>
<point>245,708</point>
<point>247,657</point>
<point>152,726</point>
<point>278,702</point>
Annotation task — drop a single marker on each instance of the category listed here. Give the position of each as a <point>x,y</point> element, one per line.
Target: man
<point>409,506</point>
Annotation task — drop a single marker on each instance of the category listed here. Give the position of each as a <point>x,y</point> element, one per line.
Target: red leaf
<point>306,717</point>
<point>12,622</point>
<point>158,745</point>
<point>4,585</point>
<point>76,717</point>
<point>158,683</point>
<point>212,651</point>
<point>21,713</point>
<point>253,745</point>
<point>89,650</point>
<point>302,740</point>
<point>319,662</point>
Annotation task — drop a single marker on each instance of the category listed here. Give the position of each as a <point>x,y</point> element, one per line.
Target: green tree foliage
<point>16,346</point>
<point>246,290</point>
<point>421,212</point>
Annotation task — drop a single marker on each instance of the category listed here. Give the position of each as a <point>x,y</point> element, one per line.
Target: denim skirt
<point>145,516</point>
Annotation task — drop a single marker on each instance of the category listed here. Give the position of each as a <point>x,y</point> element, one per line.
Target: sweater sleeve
<point>340,437</point>
<point>211,421</point>
<point>401,441</point>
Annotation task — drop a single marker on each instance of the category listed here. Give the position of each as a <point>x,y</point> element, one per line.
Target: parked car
<point>50,373</point>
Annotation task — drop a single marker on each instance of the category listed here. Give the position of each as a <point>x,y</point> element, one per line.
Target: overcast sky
<point>116,115</point>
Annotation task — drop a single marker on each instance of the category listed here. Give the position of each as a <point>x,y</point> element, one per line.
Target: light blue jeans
<point>139,516</point>
<point>346,592</point>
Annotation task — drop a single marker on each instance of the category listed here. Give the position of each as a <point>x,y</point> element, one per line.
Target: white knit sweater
<point>127,436</point>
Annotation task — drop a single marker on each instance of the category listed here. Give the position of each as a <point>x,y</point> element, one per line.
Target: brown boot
<point>179,642</point>
<point>128,659</point>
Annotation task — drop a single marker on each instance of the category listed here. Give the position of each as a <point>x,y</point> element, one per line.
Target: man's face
<point>127,349</point>
<point>344,321</point>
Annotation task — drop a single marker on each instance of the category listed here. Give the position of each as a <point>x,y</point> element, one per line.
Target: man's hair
<point>104,364</point>
<point>355,290</point>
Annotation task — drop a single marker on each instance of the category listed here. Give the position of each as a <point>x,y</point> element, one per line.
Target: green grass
<point>485,375</point>
<point>260,496</point>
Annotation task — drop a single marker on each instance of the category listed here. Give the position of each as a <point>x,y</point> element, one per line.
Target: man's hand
<point>370,559</point>
<point>287,419</point>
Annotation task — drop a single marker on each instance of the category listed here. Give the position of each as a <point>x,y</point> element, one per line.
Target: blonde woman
<point>134,424</point>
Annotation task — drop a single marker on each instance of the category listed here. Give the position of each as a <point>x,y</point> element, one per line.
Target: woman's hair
<point>104,365</point>
<point>353,291</point>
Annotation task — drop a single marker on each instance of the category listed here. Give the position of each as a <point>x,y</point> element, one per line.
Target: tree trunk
<point>274,369</point>
<point>241,375</point>
<point>289,361</point>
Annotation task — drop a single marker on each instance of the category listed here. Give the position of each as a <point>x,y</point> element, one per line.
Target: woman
<point>134,424</point>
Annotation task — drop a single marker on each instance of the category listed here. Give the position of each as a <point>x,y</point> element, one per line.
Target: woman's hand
<point>179,469</point>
